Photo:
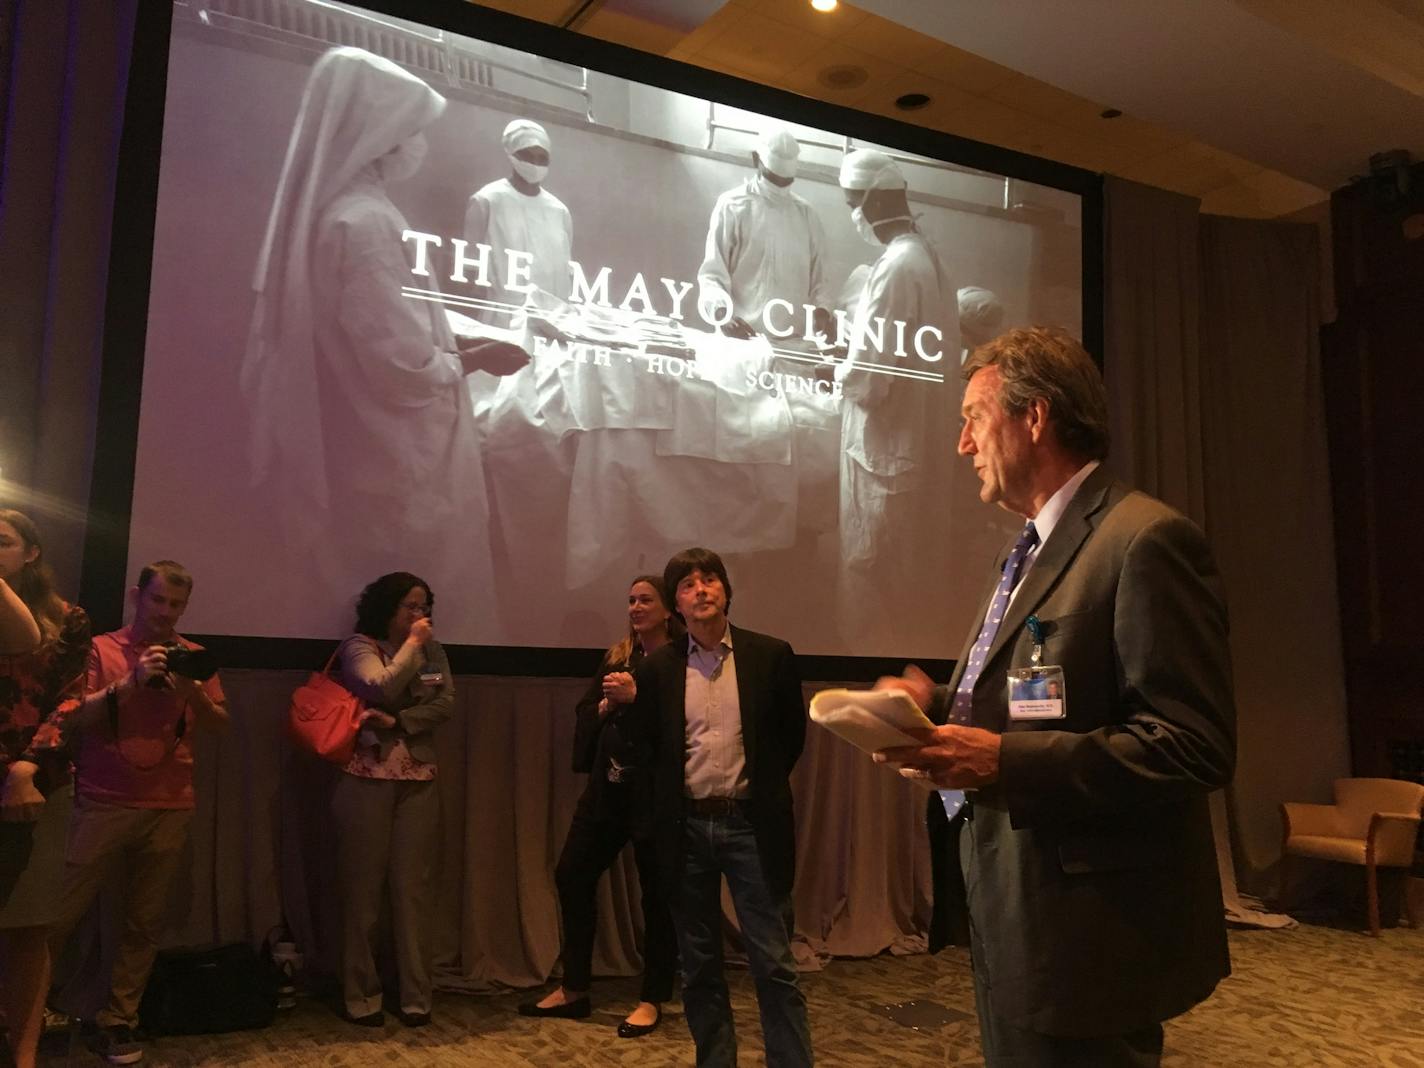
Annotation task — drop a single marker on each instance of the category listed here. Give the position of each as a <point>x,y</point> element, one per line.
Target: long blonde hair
<point>34,584</point>
<point>621,651</point>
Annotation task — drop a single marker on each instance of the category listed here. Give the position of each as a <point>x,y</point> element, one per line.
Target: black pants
<point>949,921</point>
<point>1007,1046</point>
<point>595,839</point>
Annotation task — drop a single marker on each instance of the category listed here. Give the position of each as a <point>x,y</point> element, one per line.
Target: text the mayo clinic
<point>779,318</point>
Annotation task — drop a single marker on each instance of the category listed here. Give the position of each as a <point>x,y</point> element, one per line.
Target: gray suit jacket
<point>1090,865</point>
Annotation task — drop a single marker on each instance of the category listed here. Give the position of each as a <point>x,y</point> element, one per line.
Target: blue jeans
<point>714,847</point>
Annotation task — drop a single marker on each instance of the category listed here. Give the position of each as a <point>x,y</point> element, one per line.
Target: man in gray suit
<point>1094,899</point>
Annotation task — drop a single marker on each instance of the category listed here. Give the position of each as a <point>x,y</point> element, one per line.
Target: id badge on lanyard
<point>1038,691</point>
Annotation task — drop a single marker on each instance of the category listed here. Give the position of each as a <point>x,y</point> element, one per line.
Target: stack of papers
<point>870,719</point>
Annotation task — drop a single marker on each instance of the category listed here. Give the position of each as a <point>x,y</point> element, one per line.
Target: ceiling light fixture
<point>824,5</point>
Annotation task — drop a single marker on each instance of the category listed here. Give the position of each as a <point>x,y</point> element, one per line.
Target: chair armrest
<point>1391,839</point>
<point>1300,818</point>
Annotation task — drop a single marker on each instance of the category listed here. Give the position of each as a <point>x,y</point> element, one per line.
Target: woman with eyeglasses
<point>386,806</point>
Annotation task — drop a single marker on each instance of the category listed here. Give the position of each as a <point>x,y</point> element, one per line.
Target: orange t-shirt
<point>142,760</point>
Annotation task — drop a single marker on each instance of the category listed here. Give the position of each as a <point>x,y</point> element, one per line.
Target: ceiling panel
<point>1384,37</point>
<point>800,16</point>
<point>804,78</point>
<point>1040,98</point>
<point>945,99</point>
<point>1211,68</point>
<point>758,47</point>
<point>629,30</point>
<point>889,41</point>
<point>964,69</point>
<point>988,120</point>
<point>784,43</point>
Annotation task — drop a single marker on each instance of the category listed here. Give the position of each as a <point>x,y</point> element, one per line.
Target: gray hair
<point>1051,364</point>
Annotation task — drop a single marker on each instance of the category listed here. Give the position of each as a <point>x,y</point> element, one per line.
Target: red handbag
<point>324,717</point>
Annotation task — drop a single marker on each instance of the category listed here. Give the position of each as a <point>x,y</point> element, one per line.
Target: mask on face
<point>867,231</point>
<point>863,227</point>
<point>533,173</point>
<point>404,160</point>
<point>770,189</point>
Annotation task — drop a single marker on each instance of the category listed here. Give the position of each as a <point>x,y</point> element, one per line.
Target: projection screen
<point>709,355</point>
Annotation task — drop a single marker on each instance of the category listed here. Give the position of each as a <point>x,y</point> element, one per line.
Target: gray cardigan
<point>392,685</point>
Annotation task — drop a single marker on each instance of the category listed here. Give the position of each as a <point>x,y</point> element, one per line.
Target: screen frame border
<point>103,578</point>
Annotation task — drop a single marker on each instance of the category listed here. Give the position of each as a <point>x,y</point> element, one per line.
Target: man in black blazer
<point>724,714</point>
<point>1094,901</point>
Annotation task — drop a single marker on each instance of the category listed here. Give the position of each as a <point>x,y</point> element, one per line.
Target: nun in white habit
<point>361,422</point>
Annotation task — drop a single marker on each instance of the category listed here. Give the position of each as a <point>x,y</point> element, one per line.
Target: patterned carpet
<point>1309,996</point>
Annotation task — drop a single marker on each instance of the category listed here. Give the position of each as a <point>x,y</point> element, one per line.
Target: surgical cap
<point>867,169</point>
<point>522,133</point>
<point>979,307</point>
<point>778,151</point>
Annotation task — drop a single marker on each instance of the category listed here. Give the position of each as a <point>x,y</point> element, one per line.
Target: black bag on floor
<point>208,990</point>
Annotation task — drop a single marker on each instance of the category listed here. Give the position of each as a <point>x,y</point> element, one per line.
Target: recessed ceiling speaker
<point>843,76</point>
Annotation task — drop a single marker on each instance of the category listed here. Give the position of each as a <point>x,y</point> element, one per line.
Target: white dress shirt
<point>1048,517</point>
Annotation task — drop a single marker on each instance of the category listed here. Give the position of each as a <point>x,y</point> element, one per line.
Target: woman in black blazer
<point>615,807</point>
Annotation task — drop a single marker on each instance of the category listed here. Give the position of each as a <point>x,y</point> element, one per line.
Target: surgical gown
<point>527,420</point>
<point>763,241</point>
<point>895,434</point>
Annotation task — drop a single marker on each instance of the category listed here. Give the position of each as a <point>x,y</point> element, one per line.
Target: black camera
<point>197,664</point>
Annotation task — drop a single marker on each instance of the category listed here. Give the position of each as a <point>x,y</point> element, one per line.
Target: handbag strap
<point>337,652</point>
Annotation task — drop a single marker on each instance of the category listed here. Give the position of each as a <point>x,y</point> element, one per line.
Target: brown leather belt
<point>713,806</point>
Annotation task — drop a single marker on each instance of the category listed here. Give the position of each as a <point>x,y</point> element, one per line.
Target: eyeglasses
<point>416,606</point>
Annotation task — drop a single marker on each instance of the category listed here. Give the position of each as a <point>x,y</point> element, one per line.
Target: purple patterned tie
<point>964,694</point>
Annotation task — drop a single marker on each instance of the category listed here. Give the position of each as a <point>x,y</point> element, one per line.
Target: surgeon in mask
<point>517,212</point>
<point>530,419</point>
<point>981,318</point>
<point>764,241</point>
<point>363,434</point>
<point>892,426</point>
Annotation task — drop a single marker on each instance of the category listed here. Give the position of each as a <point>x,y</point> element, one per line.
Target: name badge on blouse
<point>1039,691</point>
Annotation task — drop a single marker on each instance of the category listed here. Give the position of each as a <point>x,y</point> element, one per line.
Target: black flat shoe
<point>632,1030</point>
<point>371,1019</point>
<point>577,1009</point>
<point>413,1019</point>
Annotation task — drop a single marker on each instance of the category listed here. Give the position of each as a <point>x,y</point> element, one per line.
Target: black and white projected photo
<point>425,303</point>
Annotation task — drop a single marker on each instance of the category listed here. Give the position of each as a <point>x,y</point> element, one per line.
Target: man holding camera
<point>146,688</point>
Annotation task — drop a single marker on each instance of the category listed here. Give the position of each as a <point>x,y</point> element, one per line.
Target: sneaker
<point>117,1045</point>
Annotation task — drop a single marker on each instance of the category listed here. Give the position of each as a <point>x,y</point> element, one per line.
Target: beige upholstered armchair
<point>1373,822</point>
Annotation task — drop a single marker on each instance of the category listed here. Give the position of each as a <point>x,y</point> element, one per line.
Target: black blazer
<point>598,740</point>
<point>773,733</point>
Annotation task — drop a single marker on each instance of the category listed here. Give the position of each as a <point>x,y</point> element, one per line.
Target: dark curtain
<point>64,65</point>
<point>1213,375</point>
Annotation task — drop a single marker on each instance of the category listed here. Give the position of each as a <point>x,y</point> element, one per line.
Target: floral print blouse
<point>40,692</point>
